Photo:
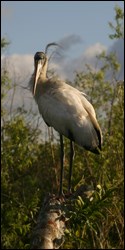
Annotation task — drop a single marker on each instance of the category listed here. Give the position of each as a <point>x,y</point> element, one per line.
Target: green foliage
<point>5,83</point>
<point>19,193</point>
<point>96,223</point>
<point>118,28</point>
<point>24,165</point>
<point>4,43</point>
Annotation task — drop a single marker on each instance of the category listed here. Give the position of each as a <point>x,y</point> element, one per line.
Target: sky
<point>30,25</point>
<point>81,27</point>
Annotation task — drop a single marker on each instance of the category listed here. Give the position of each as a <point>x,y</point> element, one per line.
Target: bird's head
<point>41,63</point>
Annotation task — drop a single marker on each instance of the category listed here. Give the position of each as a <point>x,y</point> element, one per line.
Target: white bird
<point>66,109</point>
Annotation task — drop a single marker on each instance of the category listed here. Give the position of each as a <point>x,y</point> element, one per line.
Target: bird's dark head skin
<point>39,62</point>
<point>39,56</point>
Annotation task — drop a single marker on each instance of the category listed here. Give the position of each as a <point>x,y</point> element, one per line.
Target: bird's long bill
<point>37,74</point>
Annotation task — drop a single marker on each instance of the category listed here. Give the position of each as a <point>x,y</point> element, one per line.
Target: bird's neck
<point>42,77</point>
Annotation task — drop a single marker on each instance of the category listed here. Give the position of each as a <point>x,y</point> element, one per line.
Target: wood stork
<point>66,109</point>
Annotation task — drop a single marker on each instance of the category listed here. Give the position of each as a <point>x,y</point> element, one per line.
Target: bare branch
<point>49,231</point>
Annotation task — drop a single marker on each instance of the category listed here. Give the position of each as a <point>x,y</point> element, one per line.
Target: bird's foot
<point>61,195</point>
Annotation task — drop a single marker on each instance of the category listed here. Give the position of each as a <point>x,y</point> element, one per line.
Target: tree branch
<point>49,231</point>
<point>51,223</point>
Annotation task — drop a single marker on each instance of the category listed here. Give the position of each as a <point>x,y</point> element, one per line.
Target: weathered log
<point>49,231</point>
<point>51,223</point>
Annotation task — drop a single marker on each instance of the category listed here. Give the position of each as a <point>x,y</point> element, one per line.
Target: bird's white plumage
<point>67,110</point>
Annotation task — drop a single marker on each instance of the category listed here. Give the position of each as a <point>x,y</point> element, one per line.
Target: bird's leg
<point>62,158</point>
<point>70,166</point>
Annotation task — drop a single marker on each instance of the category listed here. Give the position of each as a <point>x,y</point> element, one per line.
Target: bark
<point>49,231</point>
<point>51,223</point>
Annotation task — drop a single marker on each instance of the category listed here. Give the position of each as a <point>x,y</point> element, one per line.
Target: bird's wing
<point>70,113</point>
